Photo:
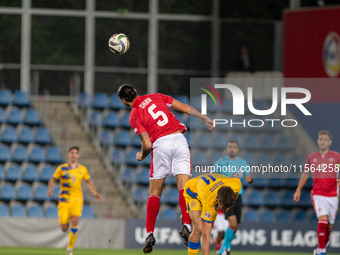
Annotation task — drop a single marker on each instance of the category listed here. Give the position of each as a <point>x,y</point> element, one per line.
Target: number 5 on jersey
<point>155,115</point>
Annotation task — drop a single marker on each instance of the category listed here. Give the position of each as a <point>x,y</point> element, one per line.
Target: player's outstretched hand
<point>297,196</point>
<point>100,198</point>
<point>209,123</point>
<point>49,192</point>
<point>139,156</point>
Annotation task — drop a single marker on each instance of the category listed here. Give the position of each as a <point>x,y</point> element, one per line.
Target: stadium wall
<point>34,232</point>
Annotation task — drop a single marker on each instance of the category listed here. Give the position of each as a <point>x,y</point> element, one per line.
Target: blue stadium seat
<point>143,176</point>
<point>13,173</point>
<point>30,173</point>
<point>284,216</point>
<point>301,216</point>
<point>169,214</point>
<point>2,173</point>
<point>147,160</point>
<point>219,141</point>
<point>170,180</point>
<point>88,212</point>
<point>195,101</point>
<point>268,142</point>
<point>244,199</point>
<point>309,183</point>
<point>53,155</point>
<point>256,198</point>
<point>214,156</point>
<point>14,116</point>
<point>223,127</point>
<point>245,184</point>
<point>227,105</point>
<point>199,158</point>
<point>183,98</point>
<point>5,153</point>
<point>203,141</point>
<point>124,120</point>
<point>32,117</point>
<point>2,116</point>
<point>19,154</point>
<point>277,182</point>
<point>292,181</point>
<point>24,192</point>
<point>131,157</point>
<point>118,156</point>
<point>106,138</point>
<point>239,123</point>
<point>100,101</point>
<point>268,216</point>
<point>140,195</point>
<point>171,196</point>
<point>84,100</point>
<point>21,99</point>
<point>25,135</point>
<point>261,104</point>
<point>40,192</point>
<point>42,136</point>
<point>260,181</point>
<point>194,123</point>
<point>5,97</point>
<point>180,118</point>
<point>250,158</point>
<point>35,211</point>
<point>272,198</point>
<point>37,154</point>
<point>51,212</point>
<point>297,160</point>
<point>7,192</point>
<point>46,173</point>
<point>281,159</point>
<point>55,192</point>
<point>264,159</point>
<point>115,103</point>
<point>9,135</point>
<point>95,119</point>
<point>314,218</point>
<point>128,176</point>
<point>135,141</point>
<point>4,211</point>
<point>252,216</point>
<point>111,120</point>
<point>239,139</point>
<point>287,199</point>
<point>122,138</point>
<point>187,136</point>
<point>212,107</point>
<point>284,143</point>
<point>305,199</point>
<point>18,211</point>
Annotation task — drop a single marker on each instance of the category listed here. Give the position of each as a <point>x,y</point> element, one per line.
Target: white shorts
<point>170,156</point>
<point>325,206</point>
<point>221,224</point>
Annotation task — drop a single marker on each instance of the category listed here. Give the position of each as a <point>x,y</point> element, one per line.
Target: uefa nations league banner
<point>250,236</point>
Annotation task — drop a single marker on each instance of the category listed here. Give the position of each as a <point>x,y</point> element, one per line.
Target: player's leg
<point>186,221</point>
<point>333,207</point>
<point>220,225</point>
<point>73,233</point>
<point>195,236</point>
<point>63,215</point>
<point>321,209</point>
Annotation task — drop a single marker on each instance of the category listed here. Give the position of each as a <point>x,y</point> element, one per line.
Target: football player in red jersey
<point>161,134</point>
<point>324,165</point>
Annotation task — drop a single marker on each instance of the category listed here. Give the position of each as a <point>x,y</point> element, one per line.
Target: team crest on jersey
<point>135,130</point>
<point>207,215</point>
<point>193,204</point>
<point>331,159</point>
<point>314,160</point>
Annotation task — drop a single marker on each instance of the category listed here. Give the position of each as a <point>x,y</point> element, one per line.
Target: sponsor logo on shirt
<point>135,130</point>
<point>207,215</point>
<point>193,204</point>
<point>331,159</point>
<point>315,160</point>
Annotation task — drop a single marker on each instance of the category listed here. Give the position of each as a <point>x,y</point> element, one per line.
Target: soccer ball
<point>119,43</point>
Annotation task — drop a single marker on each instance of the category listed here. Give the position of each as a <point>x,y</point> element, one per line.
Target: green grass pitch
<point>50,251</point>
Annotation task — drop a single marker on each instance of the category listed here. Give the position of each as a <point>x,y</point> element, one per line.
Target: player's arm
<point>178,106</point>
<point>206,230</point>
<point>146,146</point>
<point>50,186</point>
<point>93,190</point>
<point>303,180</point>
<point>246,174</point>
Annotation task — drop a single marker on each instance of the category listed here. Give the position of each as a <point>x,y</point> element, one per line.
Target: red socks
<point>328,234</point>
<point>322,233</point>
<point>183,205</point>
<point>152,209</point>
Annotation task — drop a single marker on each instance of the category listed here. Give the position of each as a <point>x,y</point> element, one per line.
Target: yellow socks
<point>72,236</point>
<point>193,248</point>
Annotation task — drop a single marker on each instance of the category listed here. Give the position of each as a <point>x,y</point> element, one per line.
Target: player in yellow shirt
<point>70,202</point>
<point>204,195</point>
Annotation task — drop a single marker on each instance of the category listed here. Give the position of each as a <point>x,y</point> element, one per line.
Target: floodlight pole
<point>215,43</point>
<point>153,47</point>
<point>25,46</point>
<point>89,47</point>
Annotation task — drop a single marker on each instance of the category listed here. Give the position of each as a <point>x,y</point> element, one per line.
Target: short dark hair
<point>226,197</point>
<point>73,148</point>
<point>234,141</point>
<point>324,132</point>
<point>126,92</point>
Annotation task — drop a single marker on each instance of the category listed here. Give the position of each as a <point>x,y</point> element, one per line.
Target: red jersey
<point>325,169</point>
<point>151,114</point>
